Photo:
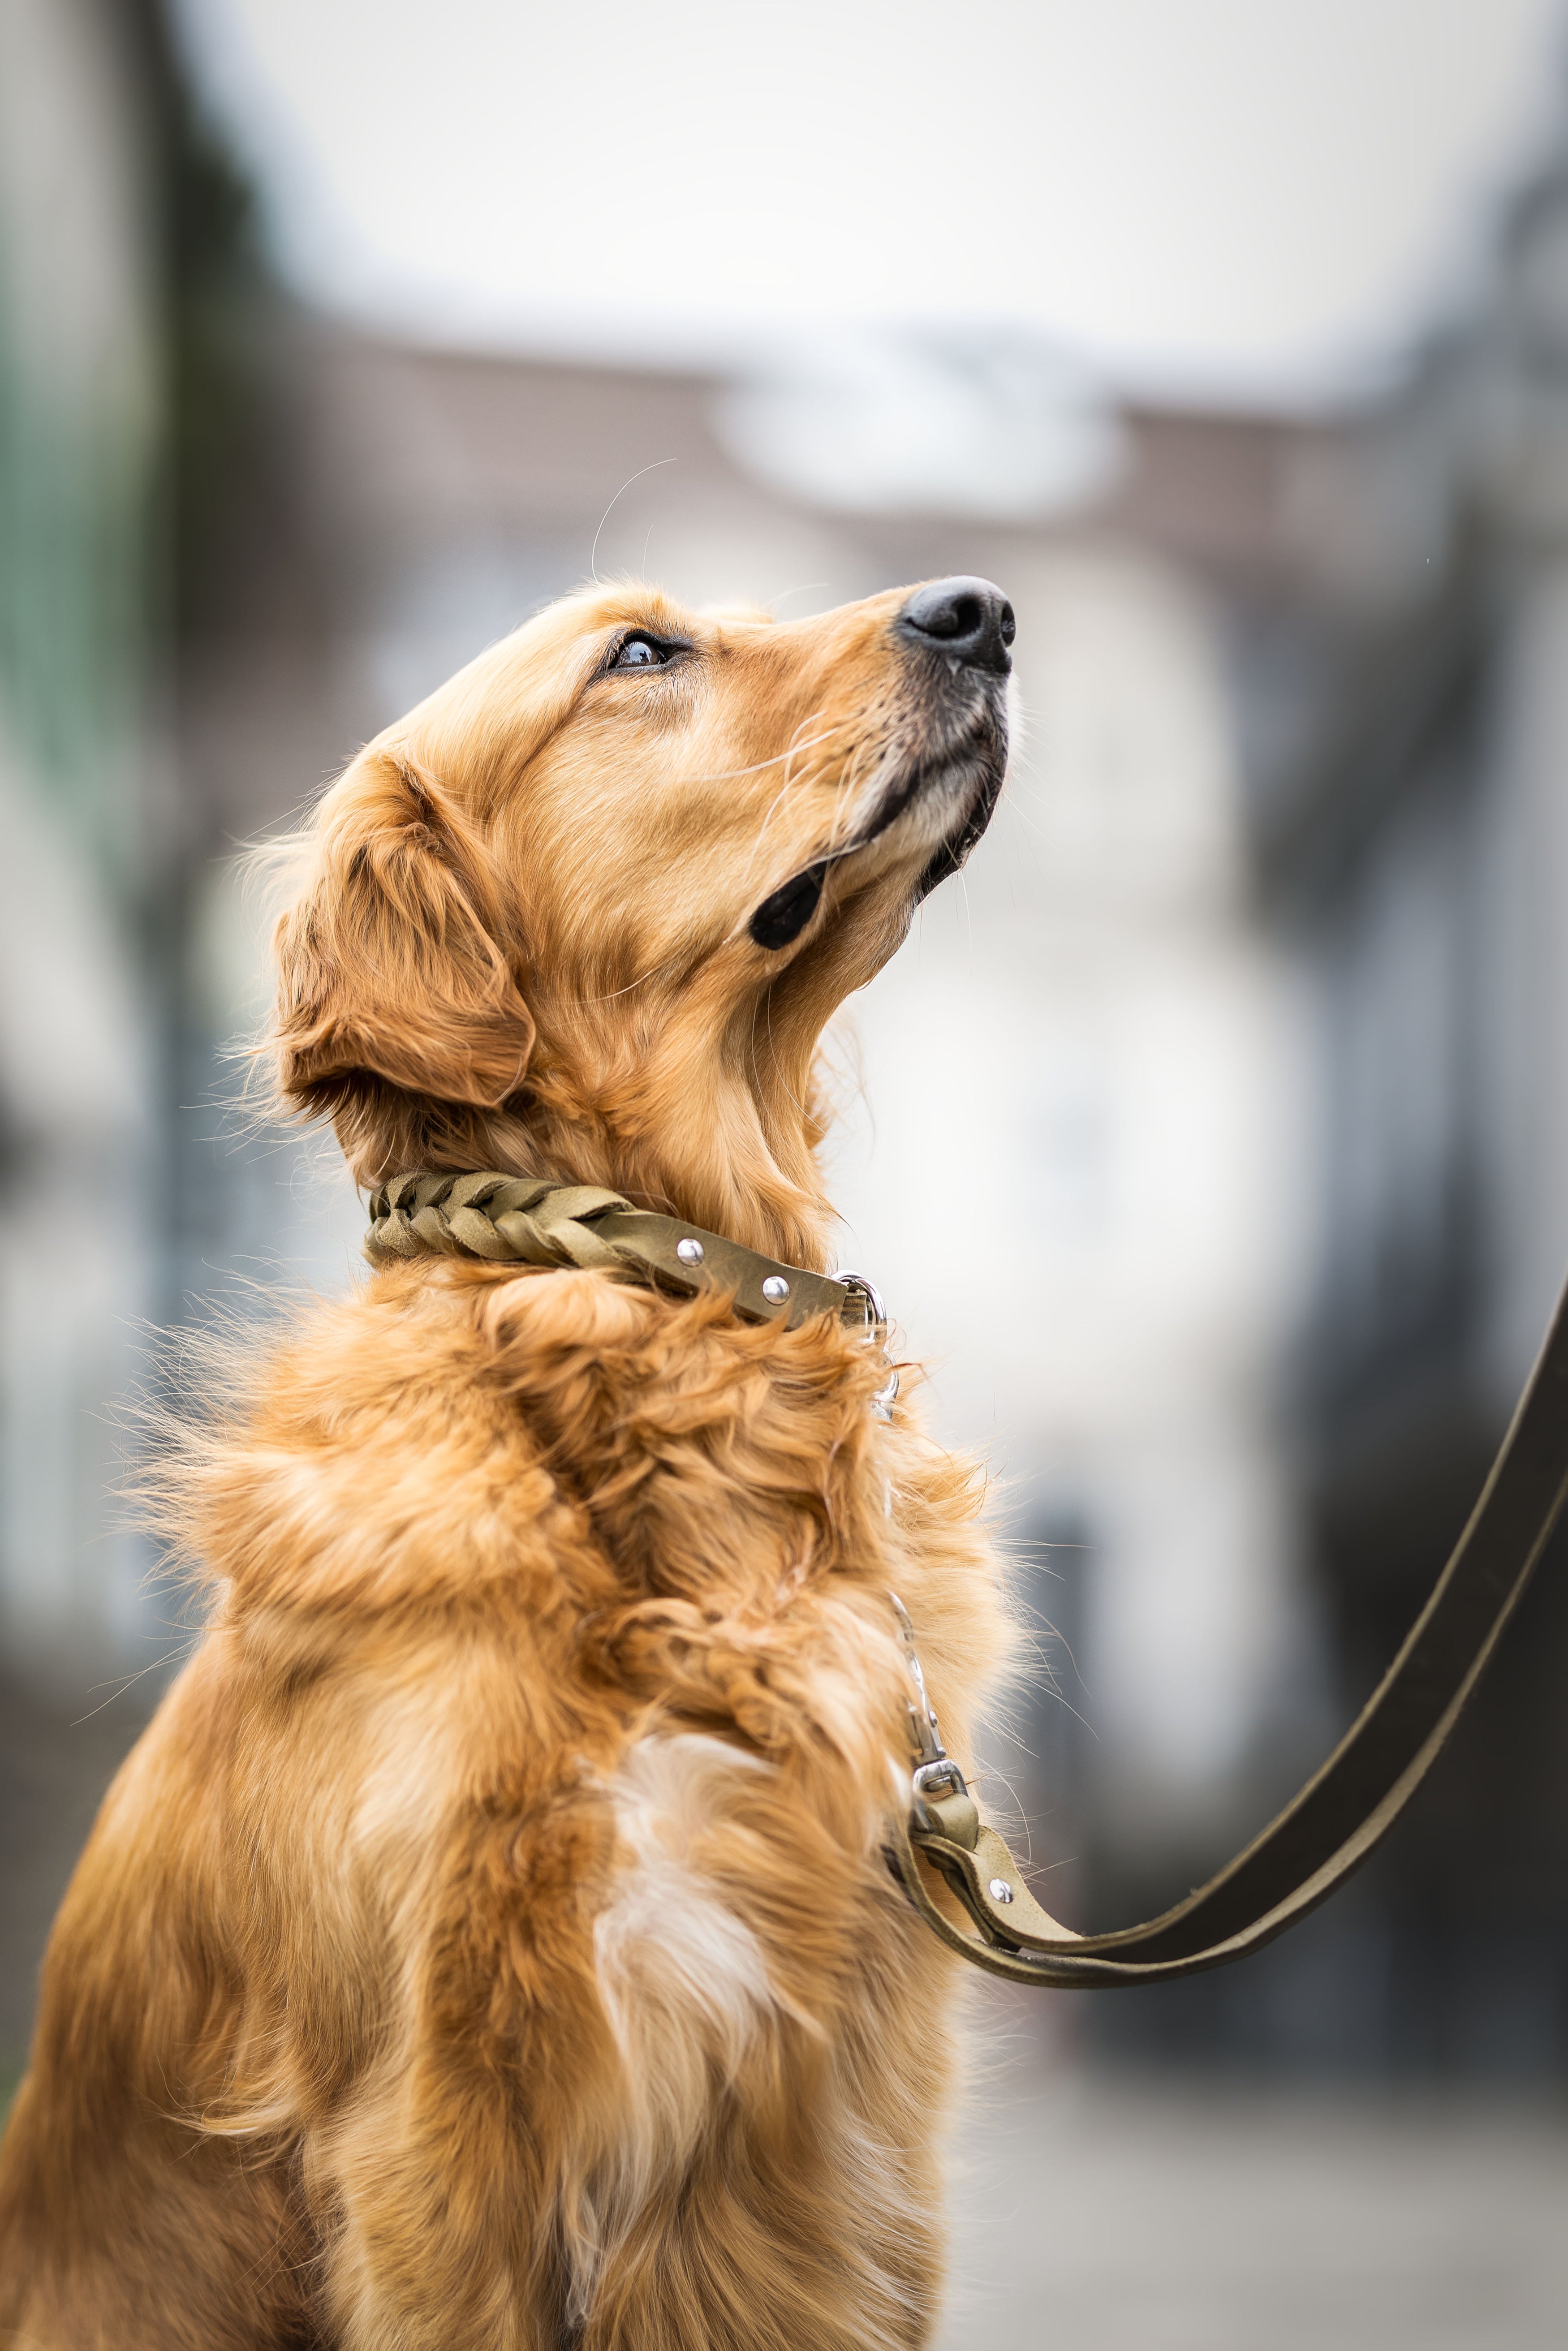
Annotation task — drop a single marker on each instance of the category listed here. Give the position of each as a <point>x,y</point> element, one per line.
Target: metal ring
<point>886,1397</point>
<point>868,1291</point>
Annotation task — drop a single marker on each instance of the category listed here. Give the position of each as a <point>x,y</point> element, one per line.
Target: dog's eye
<point>641,653</point>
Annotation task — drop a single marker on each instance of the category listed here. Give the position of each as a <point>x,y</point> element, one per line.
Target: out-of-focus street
<point>1174,2213</point>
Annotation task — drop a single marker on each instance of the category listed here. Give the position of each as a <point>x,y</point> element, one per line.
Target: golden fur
<point>489,1944</point>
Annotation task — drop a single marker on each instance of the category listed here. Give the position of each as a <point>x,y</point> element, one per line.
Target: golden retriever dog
<point>491,1943</point>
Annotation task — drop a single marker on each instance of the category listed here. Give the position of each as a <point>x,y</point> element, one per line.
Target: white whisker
<point>593,550</point>
<point>728,774</point>
<point>807,588</point>
<point>653,972</point>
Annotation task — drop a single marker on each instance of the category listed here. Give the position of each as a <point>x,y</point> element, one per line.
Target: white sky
<point>1255,198</point>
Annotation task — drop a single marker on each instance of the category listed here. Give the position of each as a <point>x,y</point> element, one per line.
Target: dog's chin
<point>943,808</point>
<point>981,790</point>
<point>926,821</point>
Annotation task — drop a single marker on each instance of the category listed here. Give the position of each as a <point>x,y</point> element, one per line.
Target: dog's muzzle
<point>965,624</point>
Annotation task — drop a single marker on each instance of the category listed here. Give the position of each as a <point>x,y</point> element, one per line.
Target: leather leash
<point>1326,1832</point>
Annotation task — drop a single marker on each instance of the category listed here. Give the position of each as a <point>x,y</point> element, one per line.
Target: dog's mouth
<point>968,770</point>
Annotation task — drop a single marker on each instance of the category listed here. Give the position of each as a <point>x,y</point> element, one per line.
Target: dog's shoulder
<point>368,1459</point>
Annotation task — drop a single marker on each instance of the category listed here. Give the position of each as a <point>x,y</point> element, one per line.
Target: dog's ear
<point>388,963</point>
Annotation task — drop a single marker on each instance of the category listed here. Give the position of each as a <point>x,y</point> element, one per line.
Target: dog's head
<point>585,911</point>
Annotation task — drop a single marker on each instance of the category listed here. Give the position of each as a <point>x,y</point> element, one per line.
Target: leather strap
<point>526,1220</point>
<point>1345,1811</point>
<point>989,1917</point>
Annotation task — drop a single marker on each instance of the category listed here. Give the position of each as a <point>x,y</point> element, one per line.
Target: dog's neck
<point>727,1156</point>
<point>722,1130</point>
<point>705,1106</point>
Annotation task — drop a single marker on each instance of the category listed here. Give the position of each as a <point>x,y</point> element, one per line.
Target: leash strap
<point>989,1917</point>
<point>1345,1811</point>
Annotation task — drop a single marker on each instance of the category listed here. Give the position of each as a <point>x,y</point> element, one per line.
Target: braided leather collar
<point>527,1220</point>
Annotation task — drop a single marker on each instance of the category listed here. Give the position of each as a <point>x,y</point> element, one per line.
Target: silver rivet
<point>1000,1890</point>
<point>776,1290</point>
<point>690,1252</point>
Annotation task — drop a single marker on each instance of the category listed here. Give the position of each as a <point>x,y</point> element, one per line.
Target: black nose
<point>968,620</point>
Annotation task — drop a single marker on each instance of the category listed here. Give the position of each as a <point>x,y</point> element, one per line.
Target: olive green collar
<point>527,1220</point>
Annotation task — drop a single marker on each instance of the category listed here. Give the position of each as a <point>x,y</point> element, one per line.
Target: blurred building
<point>80,1086</point>
<point>1416,849</point>
<point>1400,684</point>
<point>84,808</point>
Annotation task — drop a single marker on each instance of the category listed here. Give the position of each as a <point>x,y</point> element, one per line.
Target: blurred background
<point>1230,337</point>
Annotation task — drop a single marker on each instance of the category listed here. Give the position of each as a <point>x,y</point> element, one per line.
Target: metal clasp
<point>934,1768</point>
<point>924,1729</point>
<point>883,1401</point>
<point>942,1772</point>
